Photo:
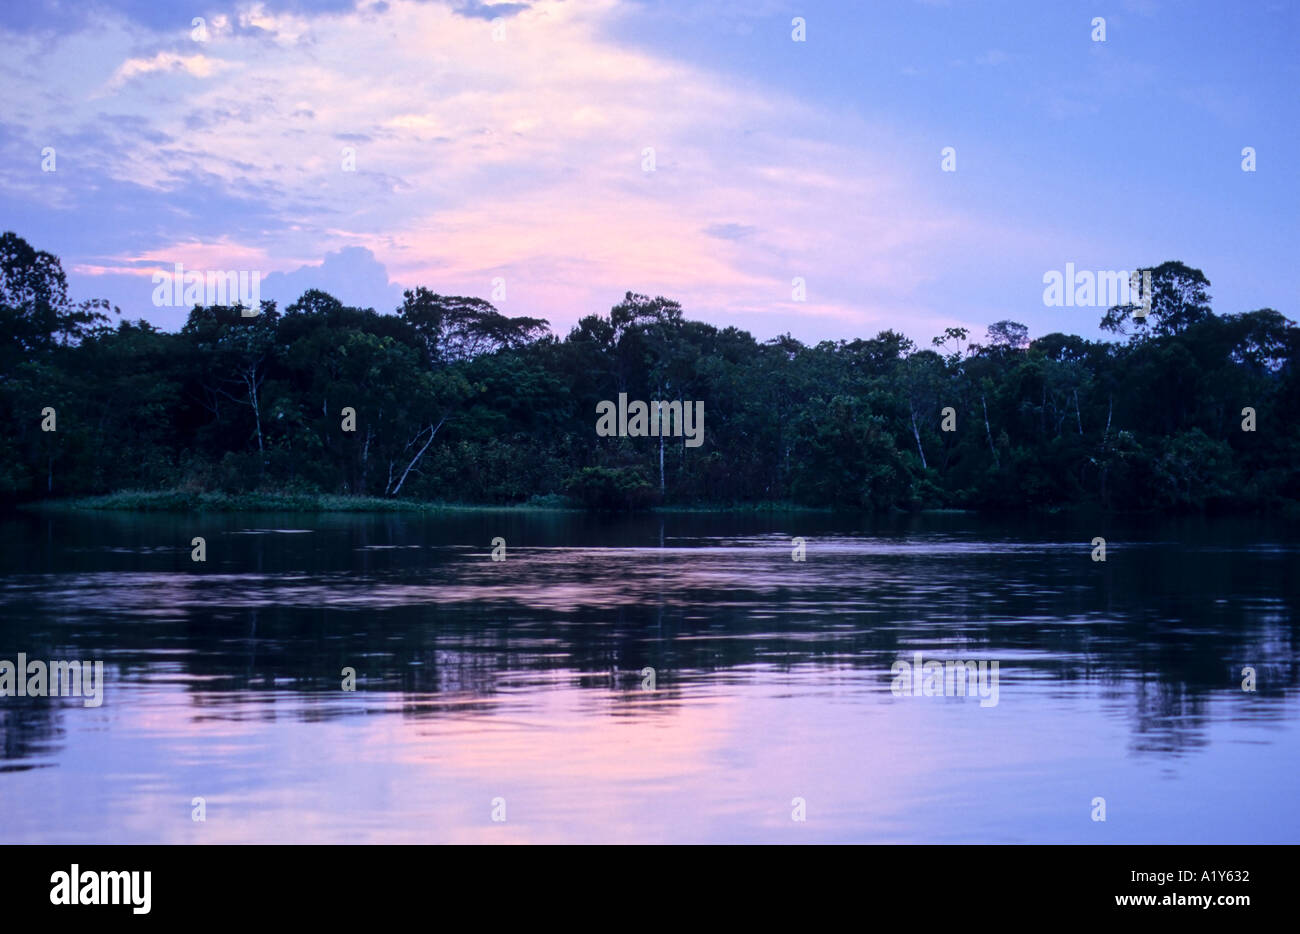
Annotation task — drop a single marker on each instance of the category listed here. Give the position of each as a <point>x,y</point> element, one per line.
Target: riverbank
<point>196,501</point>
<point>186,501</point>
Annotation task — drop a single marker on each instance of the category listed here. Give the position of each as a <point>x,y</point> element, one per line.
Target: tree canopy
<point>452,400</point>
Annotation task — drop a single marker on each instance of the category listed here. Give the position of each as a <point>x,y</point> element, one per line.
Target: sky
<point>552,155</point>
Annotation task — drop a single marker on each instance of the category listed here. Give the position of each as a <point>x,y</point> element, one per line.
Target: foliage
<point>455,402</point>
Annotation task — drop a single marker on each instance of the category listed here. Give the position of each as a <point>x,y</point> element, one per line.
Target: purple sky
<point>509,142</point>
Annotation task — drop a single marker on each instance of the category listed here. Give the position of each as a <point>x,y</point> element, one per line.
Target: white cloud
<point>198,66</point>
<point>520,158</point>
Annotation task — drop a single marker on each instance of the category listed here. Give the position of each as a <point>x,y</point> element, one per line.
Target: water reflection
<point>772,677</point>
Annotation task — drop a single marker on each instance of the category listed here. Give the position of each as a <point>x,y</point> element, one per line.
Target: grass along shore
<point>197,501</point>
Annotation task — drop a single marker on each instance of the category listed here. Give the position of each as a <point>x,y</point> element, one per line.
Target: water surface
<point>518,686</point>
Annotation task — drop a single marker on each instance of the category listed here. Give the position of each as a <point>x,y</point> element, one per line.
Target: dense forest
<point>449,400</point>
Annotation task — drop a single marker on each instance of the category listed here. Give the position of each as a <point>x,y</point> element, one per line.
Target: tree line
<point>449,400</point>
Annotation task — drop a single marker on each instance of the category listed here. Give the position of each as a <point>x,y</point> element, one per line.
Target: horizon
<point>178,283</point>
